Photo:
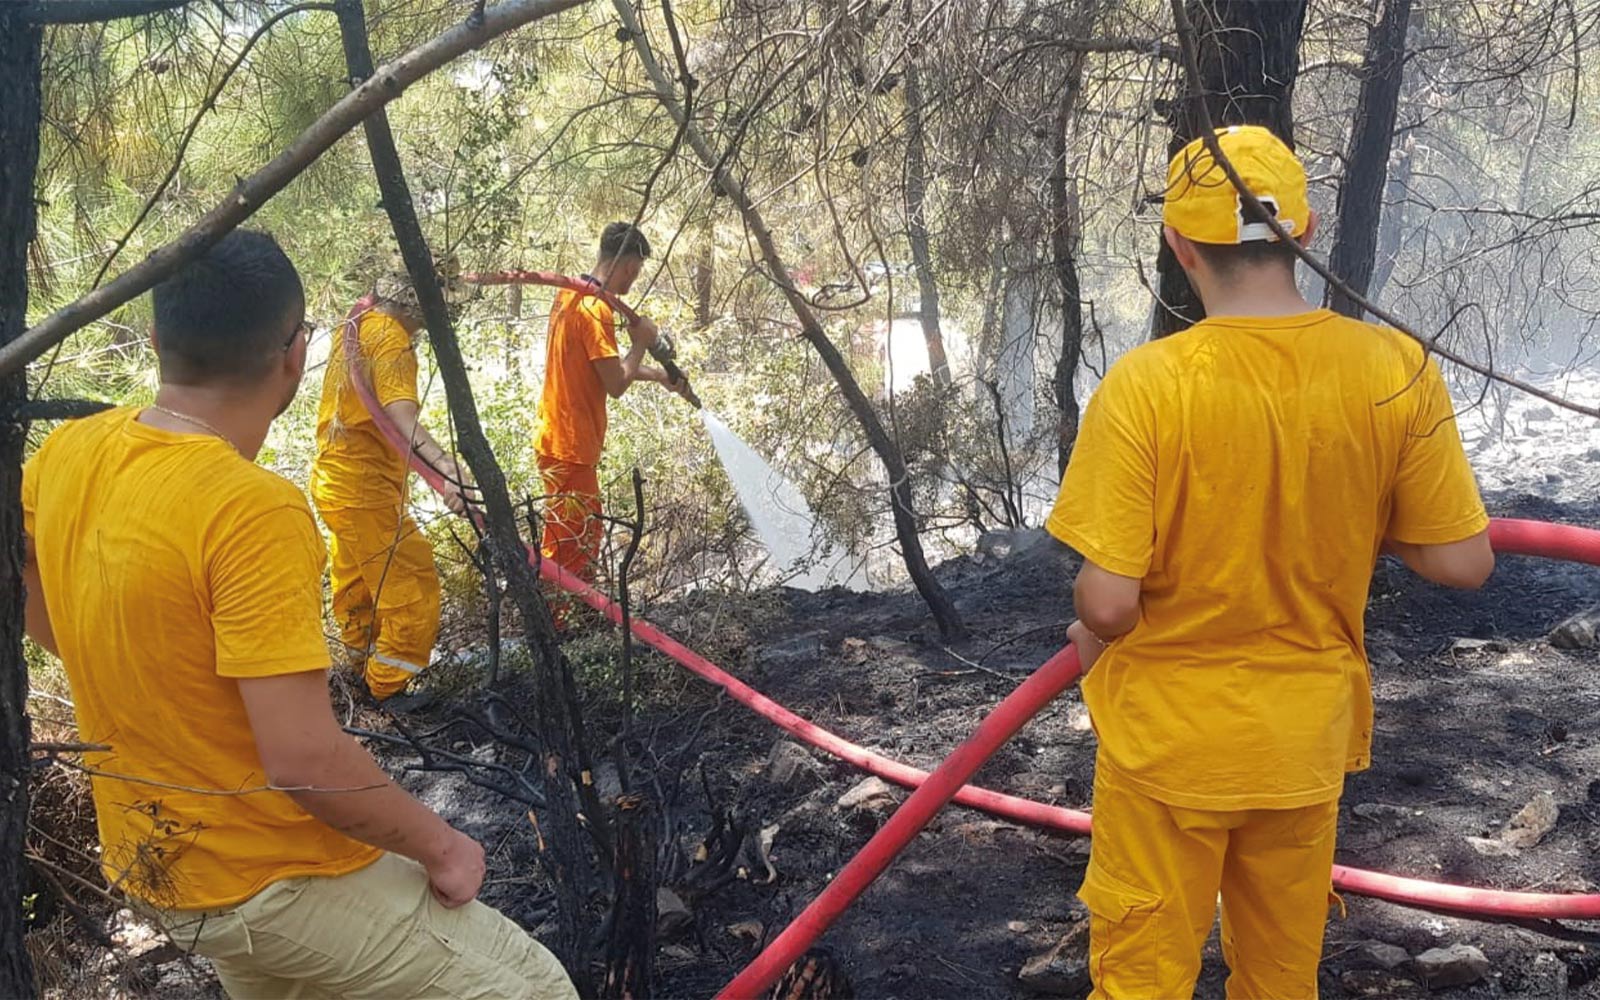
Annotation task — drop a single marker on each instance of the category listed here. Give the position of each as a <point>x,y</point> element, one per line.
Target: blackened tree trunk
<point>631,950</point>
<point>1391,229</point>
<point>916,218</point>
<point>555,710</point>
<point>1361,193</point>
<point>1065,234</point>
<point>1249,57</point>
<point>19,158</point>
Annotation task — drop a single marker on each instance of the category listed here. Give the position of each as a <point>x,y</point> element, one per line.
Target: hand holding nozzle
<point>660,347</point>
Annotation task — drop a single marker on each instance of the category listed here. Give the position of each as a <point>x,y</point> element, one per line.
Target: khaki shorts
<point>377,933</point>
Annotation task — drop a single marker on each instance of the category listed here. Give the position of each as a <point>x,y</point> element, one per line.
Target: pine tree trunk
<point>1391,229</point>
<point>19,158</point>
<point>1249,57</point>
<point>1367,162</point>
<point>1064,240</point>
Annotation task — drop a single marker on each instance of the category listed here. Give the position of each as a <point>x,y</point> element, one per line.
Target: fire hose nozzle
<point>664,351</point>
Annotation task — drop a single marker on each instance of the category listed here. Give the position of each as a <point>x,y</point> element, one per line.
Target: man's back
<point>165,559</point>
<point>571,423</point>
<point>356,466</point>
<point>1281,452</point>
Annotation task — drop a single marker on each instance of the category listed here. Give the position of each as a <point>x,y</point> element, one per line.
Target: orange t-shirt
<point>571,425</point>
<point>356,466</point>
<point>171,567</point>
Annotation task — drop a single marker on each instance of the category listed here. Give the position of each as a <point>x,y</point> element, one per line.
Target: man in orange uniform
<point>385,586</point>
<point>1230,492</point>
<point>582,368</point>
<point>181,585</point>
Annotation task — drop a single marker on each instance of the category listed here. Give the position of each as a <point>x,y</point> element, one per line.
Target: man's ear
<point>295,357</point>
<point>1304,239</point>
<point>1182,247</point>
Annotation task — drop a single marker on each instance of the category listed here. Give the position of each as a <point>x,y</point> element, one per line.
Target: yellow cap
<point>1202,204</point>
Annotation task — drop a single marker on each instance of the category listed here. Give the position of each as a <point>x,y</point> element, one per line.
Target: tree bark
<point>253,191</point>
<point>916,218</point>
<point>704,272</point>
<point>1249,56</point>
<point>905,521</point>
<point>91,11</point>
<point>1065,233</point>
<point>631,951</point>
<point>1391,229</point>
<point>559,730</point>
<point>1360,208</point>
<point>19,159</point>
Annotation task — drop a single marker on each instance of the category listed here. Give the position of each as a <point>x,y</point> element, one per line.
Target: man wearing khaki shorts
<point>181,585</point>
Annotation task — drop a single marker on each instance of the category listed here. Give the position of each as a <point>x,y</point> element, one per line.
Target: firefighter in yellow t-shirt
<point>181,585</point>
<point>385,587</point>
<point>1231,489</point>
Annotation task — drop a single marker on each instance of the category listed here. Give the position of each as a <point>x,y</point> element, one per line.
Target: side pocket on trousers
<point>220,934</point>
<point>1123,934</point>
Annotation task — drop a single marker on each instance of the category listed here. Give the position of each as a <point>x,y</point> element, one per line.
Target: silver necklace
<point>196,421</point>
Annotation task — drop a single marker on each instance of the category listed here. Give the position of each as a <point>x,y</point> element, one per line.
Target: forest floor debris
<point>1463,742</point>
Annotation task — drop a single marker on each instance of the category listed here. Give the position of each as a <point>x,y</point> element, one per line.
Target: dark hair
<point>623,239</point>
<point>224,315</point>
<point>1227,258</point>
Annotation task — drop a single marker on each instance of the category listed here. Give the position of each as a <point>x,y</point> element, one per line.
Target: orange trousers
<point>1156,871</point>
<point>573,530</point>
<point>385,593</point>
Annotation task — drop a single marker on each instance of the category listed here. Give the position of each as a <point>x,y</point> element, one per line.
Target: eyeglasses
<point>299,328</point>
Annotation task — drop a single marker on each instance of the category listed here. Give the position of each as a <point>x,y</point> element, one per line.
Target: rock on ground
<point>1064,969</point>
<point>873,794</point>
<point>1380,955</point>
<point>1457,965</point>
<point>790,765</point>
<point>1581,631</point>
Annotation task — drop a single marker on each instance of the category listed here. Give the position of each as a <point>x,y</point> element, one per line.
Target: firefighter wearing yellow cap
<point>1230,492</point>
<point>385,588</point>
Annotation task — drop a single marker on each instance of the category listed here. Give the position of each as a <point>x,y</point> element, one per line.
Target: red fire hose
<point>999,726</point>
<point>1509,537</point>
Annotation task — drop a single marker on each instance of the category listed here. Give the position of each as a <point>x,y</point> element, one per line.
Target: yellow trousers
<point>376,933</point>
<point>1155,873</point>
<point>385,593</point>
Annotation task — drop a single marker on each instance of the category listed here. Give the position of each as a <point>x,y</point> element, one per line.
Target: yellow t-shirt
<point>1248,470</point>
<point>571,422</point>
<point>356,466</point>
<point>171,567</point>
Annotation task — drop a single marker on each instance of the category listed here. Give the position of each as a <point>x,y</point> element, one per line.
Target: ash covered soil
<point>1477,716</point>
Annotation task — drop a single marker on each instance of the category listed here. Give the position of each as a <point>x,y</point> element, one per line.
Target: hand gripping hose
<point>1509,537</point>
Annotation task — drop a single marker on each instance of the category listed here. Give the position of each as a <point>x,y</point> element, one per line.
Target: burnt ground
<point>1465,737</point>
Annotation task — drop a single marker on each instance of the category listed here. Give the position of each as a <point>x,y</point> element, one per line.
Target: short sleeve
<point>1106,507</point>
<point>393,362</point>
<point>265,581</point>
<point>597,328</point>
<point>1436,498</point>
